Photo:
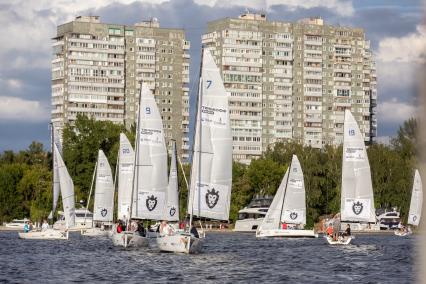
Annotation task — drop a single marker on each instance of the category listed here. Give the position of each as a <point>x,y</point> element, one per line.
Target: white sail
<point>211,173</point>
<point>357,200</point>
<point>273,216</point>
<point>67,190</point>
<point>104,191</point>
<point>56,185</point>
<point>150,184</point>
<point>171,212</point>
<point>416,201</point>
<point>125,177</point>
<point>294,208</point>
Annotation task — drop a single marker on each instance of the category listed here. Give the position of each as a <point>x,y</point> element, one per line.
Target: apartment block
<point>292,81</point>
<point>97,69</point>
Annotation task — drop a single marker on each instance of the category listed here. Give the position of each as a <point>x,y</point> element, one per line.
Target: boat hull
<point>339,241</point>
<point>49,234</point>
<point>402,234</point>
<point>94,232</point>
<point>286,234</point>
<point>129,240</point>
<point>248,225</point>
<point>180,244</point>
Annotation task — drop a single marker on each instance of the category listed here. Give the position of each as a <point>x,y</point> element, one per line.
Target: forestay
<point>104,191</point>
<point>211,172</point>
<point>171,212</point>
<point>357,200</point>
<point>126,158</point>
<point>416,201</point>
<point>294,209</point>
<point>67,190</point>
<point>151,161</point>
<point>56,185</point>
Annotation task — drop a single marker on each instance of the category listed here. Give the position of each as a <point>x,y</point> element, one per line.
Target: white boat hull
<point>129,240</point>
<point>402,234</point>
<point>248,225</point>
<point>94,232</point>
<point>339,241</point>
<point>49,234</point>
<point>287,233</point>
<point>180,244</point>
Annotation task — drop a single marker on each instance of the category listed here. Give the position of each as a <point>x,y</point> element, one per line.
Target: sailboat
<point>286,217</point>
<point>104,198</point>
<point>211,171</point>
<point>415,205</point>
<point>66,186</point>
<point>357,198</point>
<point>150,168</point>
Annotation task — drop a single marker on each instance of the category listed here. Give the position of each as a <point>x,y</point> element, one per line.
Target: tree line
<point>26,187</point>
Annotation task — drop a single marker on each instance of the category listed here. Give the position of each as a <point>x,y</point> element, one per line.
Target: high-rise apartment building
<point>292,81</point>
<point>97,69</point>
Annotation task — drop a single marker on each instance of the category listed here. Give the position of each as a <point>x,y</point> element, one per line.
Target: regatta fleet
<point>147,187</point>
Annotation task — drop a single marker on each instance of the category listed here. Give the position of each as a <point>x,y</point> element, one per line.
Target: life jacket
<point>119,229</point>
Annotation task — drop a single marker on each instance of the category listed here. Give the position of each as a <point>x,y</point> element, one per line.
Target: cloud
<point>395,111</point>
<point>17,109</point>
<point>409,48</point>
<point>343,8</point>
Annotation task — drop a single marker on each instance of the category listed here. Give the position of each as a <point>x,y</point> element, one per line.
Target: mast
<point>136,158</point>
<point>198,112</point>
<point>53,167</point>
<point>90,194</point>
<point>285,191</point>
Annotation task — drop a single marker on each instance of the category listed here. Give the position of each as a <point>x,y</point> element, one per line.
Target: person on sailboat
<point>45,225</point>
<point>141,230</point>
<point>194,232</point>
<point>347,232</point>
<point>165,229</point>
<point>26,227</point>
<point>329,230</point>
<point>336,229</point>
<point>119,227</point>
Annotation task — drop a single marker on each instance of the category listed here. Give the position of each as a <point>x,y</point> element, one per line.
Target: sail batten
<point>150,185</point>
<point>211,172</point>
<point>357,199</point>
<point>104,190</point>
<point>416,202</point>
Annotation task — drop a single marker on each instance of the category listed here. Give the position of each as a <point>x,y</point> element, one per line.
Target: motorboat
<point>251,216</point>
<point>388,220</point>
<point>83,220</point>
<point>16,224</point>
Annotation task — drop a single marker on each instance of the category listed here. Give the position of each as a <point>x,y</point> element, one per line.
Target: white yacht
<point>251,216</point>
<point>16,224</point>
<point>83,220</point>
<point>388,220</point>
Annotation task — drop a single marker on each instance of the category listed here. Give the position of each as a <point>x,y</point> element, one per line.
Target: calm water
<point>227,258</point>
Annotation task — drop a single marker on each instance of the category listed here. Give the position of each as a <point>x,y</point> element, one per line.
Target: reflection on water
<point>227,258</point>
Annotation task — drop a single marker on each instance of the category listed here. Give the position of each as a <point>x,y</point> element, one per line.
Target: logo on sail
<point>351,132</point>
<point>414,218</point>
<point>151,202</point>
<point>357,208</point>
<point>172,211</point>
<point>212,197</point>
<point>293,215</point>
<point>104,212</point>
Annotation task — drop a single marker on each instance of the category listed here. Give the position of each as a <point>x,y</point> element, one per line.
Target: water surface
<point>226,258</point>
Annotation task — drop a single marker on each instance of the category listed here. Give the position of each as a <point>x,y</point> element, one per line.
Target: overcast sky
<point>396,30</point>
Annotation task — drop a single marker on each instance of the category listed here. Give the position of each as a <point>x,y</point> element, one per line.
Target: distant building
<point>292,81</point>
<point>97,69</point>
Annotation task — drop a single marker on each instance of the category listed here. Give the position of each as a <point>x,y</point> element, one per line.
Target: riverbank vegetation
<point>26,188</point>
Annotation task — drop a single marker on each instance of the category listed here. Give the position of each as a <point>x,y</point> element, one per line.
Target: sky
<point>395,28</point>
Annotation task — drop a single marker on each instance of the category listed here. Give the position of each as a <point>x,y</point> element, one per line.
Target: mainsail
<point>126,158</point>
<point>171,212</point>
<point>294,208</point>
<point>357,200</point>
<point>56,186</point>
<point>289,204</point>
<point>416,201</point>
<point>150,184</point>
<point>67,190</point>
<point>104,192</point>
<point>211,172</point>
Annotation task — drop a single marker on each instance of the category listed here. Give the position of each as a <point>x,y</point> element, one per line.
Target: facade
<point>97,69</point>
<point>292,81</point>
